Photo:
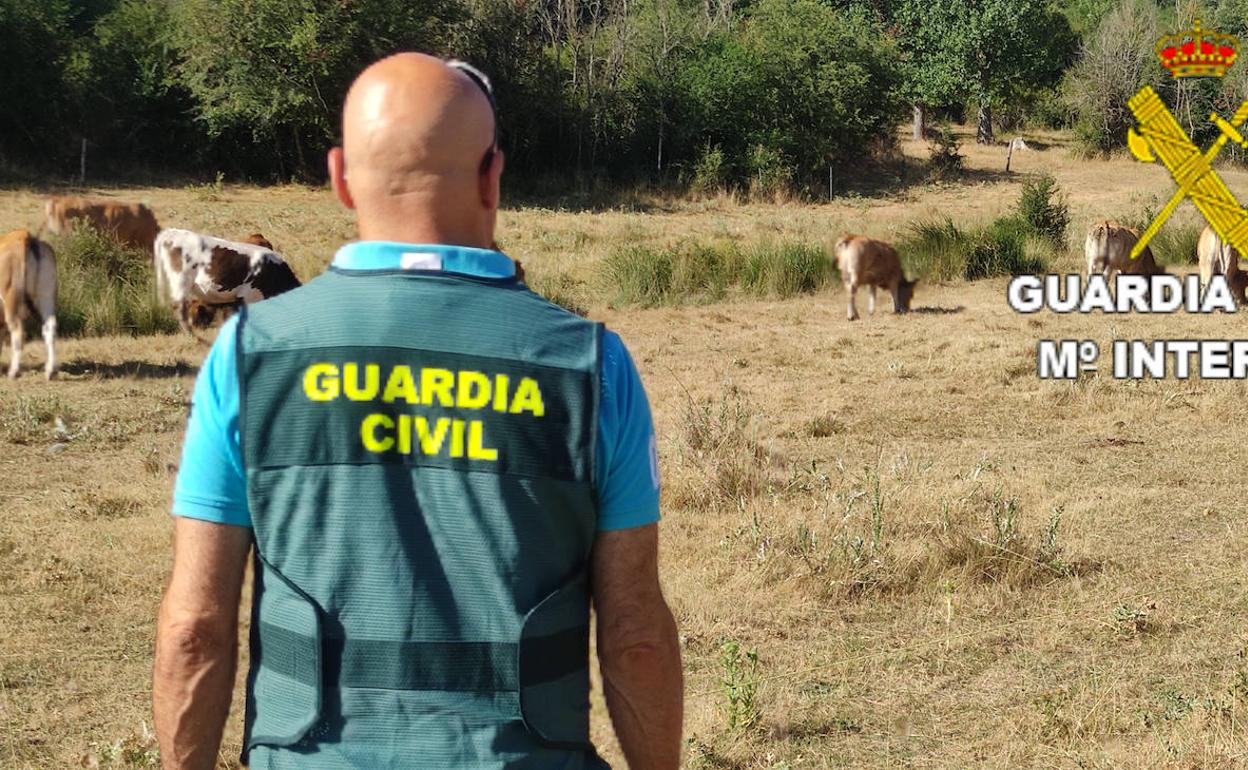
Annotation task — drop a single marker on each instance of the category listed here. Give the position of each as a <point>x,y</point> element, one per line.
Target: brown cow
<point>1217,257</point>
<point>865,262</point>
<point>27,286</point>
<point>130,224</point>
<point>1108,252</point>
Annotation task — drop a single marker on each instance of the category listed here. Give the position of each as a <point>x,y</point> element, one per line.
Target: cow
<point>1217,257</point>
<point>130,224</point>
<point>27,287</point>
<point>1108,252</point>
<point>870,263</point>
<point>194,270</point>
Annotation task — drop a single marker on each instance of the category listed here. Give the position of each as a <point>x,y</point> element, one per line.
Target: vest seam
<point>595,369</point>
<point>355,463</point>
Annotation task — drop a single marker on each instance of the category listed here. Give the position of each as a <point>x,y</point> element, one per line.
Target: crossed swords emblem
<point>1161,136</point>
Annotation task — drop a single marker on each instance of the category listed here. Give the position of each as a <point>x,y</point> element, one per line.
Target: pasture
<point>886,543</point>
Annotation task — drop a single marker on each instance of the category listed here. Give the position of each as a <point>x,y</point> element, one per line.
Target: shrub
<point>935,250</point>
<point>1001,249</point>
<point>1041,206</point>
<point>771,175</point>
<point>941,251</point>
<point>106,288</point>
<point>946,159</point>
<point>785,270</point>
<point>710,171</point>
<point>641,275</point>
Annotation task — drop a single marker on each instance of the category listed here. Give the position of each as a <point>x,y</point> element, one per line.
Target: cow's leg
<point>16,334</point>
<point>49,340</point>
<point>183,309</point>
<point>871,299</point>
<point>851,288</point>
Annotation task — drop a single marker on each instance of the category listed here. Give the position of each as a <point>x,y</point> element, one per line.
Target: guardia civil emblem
<point>1195,53</point>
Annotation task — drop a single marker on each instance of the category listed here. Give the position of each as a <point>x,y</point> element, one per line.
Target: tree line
<point>760,95</point>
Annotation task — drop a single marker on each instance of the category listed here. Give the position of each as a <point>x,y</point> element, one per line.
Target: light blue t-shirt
<point>211,483</point>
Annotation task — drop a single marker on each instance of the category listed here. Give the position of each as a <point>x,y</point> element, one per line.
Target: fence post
<point>82,164</point>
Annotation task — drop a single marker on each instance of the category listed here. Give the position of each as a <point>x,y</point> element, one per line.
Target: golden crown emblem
<point>1197,53</point>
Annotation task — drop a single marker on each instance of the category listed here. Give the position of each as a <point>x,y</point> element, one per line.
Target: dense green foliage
<point>768,97</point>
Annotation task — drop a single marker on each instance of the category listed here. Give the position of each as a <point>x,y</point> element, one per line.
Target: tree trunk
<point>983,132</point>
<point>920,122</point>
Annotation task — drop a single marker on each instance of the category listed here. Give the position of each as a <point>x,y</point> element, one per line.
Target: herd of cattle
<point>201,275</point>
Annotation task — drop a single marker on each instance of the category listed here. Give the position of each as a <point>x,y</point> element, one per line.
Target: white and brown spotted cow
<point>27,287</point>
<point>203,272</point>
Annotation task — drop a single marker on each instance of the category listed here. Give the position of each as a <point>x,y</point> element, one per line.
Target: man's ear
<point>491,182</point>
<point>338,177</point>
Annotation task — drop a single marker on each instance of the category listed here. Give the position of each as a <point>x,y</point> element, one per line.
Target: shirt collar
<point>420,257</point>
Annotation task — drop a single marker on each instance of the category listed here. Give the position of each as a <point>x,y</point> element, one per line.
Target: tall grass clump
<point>106,288</point>
<point>1175,244</point>
<point>704,272</point>
<point>935,250</point>
<point>1044,209</point>
<point>641,275</point>
<point>785,270</point>
<point>1001,249</point>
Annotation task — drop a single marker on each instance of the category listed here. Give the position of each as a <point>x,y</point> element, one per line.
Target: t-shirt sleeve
<point>627,456</point>
<point>211,485</point>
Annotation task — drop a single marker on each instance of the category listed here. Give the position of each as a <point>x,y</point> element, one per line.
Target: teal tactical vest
<point>419,450</point>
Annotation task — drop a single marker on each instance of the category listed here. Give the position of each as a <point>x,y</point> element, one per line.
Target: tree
<point>981,51</point>
<point>279,69</point>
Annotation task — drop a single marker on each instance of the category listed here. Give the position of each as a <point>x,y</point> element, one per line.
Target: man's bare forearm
<point>193,682</point>
<point>643,685</point>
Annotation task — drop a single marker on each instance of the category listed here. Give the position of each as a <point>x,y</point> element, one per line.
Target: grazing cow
<point>27,286</point>
<point>865,262</point>
<point>194,270</point>
<point>1217,257</point>
<point>130,224</point>
<point>1108,252</point>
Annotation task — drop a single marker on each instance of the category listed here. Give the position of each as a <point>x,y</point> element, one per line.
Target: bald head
<point>415,134</point>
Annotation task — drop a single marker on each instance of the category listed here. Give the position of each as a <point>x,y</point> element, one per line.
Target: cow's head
<point>842,243</point>
<point>256,239</point>
<point>905,293</point>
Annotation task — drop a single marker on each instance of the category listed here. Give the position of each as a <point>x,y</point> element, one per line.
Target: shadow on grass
<point>936,310</point>
<point>136,370</point>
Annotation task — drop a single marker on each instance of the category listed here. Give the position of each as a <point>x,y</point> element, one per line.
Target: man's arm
<point>638,651</point>
<point>197,642</point>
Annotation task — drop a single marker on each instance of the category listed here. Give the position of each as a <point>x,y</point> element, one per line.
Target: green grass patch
<point>705,272</point>
<point>105,288</point>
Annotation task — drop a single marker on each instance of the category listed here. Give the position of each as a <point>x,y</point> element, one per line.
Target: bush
<point>943,252</point>
<point>946,159</point>
<point>106,288</point>
<point>1001,249</point>
<point>770,174</point>
<point>935,250</point>
<point>1042,208</point>
<point>785,270</point>
<point>710,172</point>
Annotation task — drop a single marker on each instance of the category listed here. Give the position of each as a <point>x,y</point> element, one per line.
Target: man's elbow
<point>638,636</point>
<point>192,640</point>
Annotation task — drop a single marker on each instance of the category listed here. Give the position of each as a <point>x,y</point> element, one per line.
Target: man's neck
<point>416,231</point>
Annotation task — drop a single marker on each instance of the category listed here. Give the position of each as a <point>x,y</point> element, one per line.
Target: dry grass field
<point>887,543</point>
